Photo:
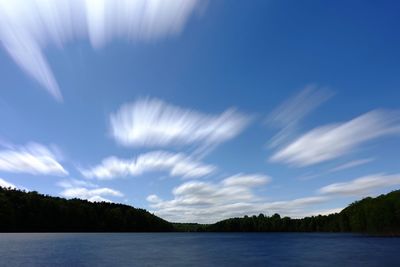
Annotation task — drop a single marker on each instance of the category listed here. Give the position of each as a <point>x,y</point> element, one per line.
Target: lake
<point>197,249</point>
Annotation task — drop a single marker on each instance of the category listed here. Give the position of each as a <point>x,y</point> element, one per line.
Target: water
<point>197,249</point>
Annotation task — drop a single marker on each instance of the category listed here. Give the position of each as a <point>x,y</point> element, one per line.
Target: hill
<point>32,212</point>
<point>22,211</point>
<point>380,215</point>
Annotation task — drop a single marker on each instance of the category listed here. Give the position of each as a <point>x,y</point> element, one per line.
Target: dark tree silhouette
<point>32,212</point>
<point>379,215</point>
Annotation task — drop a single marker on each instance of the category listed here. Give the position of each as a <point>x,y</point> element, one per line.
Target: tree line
<point>22,211</point>
<point>32,212</point>
<point>380,215</point>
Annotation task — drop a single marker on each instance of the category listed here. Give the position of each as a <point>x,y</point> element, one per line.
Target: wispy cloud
<point>289,115</point>
<point>33,159</point>
<point>153,199</point>
<point>341,167</point>
<point>28,27</point>
<point>5,184</point>
<point>154,123</point>
<point>246,180</point>
<point>93,195</point>
<point>295,207</point>
<point>205,201</point>
<point>175,164</point>
<point>78,189</point>
<point>352,164</point>
<point>322,212</point>
<point>208,202</point>
<point>361,186</point>
<point>334,140</point>
<point>70,183</point>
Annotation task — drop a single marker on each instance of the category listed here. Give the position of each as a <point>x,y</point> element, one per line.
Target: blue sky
<point>202,111</point>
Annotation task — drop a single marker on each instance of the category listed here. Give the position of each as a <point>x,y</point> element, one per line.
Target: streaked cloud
<point>323,212</point>
<point>341,167</point>
<point>289,115</point>
<point>33,158</point>
<point>70,183</point>
<point>153,199</point>
<point>352,164</point>
<point>246,180</point>
<point>295,203</point>
<point>334,140</point>
<point>27,28</point>
<point>361,186</point>
<point>154,123</point>
<point>84,190</point>
<point>5,184</point>
<point>93,195</point>
<point>175,164</point>
<point>208,202</point>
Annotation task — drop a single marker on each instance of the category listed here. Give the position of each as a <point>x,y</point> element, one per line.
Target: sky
<point>201,110</point>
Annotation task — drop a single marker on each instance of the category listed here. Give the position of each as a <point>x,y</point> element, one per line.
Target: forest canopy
<point>22,211</point>
<point>32,212</point>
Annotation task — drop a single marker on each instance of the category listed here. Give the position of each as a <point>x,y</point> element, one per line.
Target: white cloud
<point>153,199</point>
<point>361,186</point>
<point>295,203</point>
<point>332,141</point>
<point>152,122</point>
<point>33,159</point>
<point>5,184</point>
<point>207,202</point>
<point>246,180</point>
<point>28,27</point>
<point>322,212</point>
<point>288,116</point>
<point>176,164</point>
<point>70,183</point>
<point>352,164</point>
<point>99,199</point>
<point>74,188</point>
<point>93,195</point>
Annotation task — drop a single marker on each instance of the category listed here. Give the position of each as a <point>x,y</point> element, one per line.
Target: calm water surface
<point>197,249</point>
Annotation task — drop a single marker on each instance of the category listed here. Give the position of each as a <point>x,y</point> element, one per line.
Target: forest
<point>32,212</point>
<point>22,211</point>
<point>380,215</point>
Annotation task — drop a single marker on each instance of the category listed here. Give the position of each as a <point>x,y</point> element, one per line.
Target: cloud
<point>361,186</point>
<point>352,164</point>
<point>323,212</point>
<point>154,123</point>
<point>246,180</point>
<point>334,140</point>
<point>70,183</point>
<point>295,203</point>
<point>33,159</point>
<point>76,189</point>
<point>208,202</point>
<point>5,184</point>
<point>345,166</point>
<point>153,199</point>
<point>28,27</point>
<point>176,164</point>
<point>288,116</point>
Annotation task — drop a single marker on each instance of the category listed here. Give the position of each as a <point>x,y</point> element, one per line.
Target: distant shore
<point>31,212</point>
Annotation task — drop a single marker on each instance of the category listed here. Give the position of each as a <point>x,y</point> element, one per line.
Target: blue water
<point>197,249</point>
